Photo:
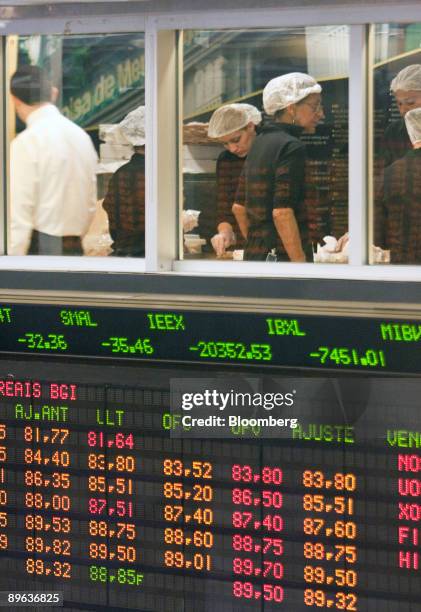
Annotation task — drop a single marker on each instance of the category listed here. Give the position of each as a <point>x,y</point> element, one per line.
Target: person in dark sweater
<point>401,199</point>
<point>234,125</point>
<point>125,199</point>
<point>270,206</point>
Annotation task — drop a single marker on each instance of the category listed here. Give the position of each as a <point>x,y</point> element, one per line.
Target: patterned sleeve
<point>240,193</point>
<point>110,204</point>
<point>380,208</point>
<point>228,172</point>
<point>290,180</point>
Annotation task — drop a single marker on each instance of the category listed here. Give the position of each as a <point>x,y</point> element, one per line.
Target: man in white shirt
<point>52,173</point>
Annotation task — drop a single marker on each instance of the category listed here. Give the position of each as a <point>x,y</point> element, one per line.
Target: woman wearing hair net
<point>270,208</point>
<point>125,199</point>
<point>401,199</point>
<point>234,126</point>
<point>406,87</point>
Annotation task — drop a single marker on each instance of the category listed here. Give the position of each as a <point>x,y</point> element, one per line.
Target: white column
<point>4,157</point>
<point>358,126</point>
<point>161,162</point>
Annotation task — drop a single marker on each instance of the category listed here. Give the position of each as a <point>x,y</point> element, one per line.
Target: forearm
<point>23,194</point>
<point>21,223</point>
<point>240,215</point>
<point>20,238</point>
<point>287,228</point>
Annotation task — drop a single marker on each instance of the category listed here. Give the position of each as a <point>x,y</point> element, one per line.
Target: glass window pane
<point>397,138</point>
<point>286,170</point>
<point>77,155</point>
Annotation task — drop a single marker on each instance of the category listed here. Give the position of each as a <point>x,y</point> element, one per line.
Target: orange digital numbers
<point>173,467</point>
<point>58,480</point>
<point>323,527</point>
<point>55,435</point>
<point>177,559</point>
<point>339,577</point>
<point>319,503</point>
<point>198,539</point>
<point>59,458</point>
<point>187,510</point>
<point>121,530</point>
<point>120,463</point>
<point>173,490</point>
<point>120,553</point>
<point>197,469</point>
<point>40,567</point>
<point>38,545</point>
<point>317,550</point>
<point>341,601</point>
<point>313,526</point>
<point>173,513</point>
<point>202,493</point>
<point>57,524</point>
<point>39,501</point>
<point>341,482</point>
<point>315,598</point>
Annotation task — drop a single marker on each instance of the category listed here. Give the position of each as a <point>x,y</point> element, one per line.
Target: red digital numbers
<point>267,592</point>
<point>256,513</point>
<point>268,475</point>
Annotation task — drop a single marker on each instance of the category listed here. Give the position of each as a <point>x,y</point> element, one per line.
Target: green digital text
<point>316,432</point>
<point>109,417</point>
<point>121,344</point>
<point>284,327</point>
<point>403,438</point>
<point>232,350</point>
<point>50,342</point>
<point>5,314</point>
<point>77,318</point>
<point>167,321</point>
<point>400,332</point>
<point>342,355</point>
<point>41,413</point>
<point>120,575</point>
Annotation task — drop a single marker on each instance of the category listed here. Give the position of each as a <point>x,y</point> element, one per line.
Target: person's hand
<point>222,241</point>
<point>342,242</point>
<point>190,220</point>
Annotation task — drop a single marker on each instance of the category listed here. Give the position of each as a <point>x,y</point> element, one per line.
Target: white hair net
<point>413,124</point>
<point>407,79</point>
<point>288,89</point>
<point>232,117</point>
<point>133,127</point>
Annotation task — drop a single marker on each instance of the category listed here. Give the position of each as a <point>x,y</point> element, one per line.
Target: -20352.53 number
<point>233,350</point>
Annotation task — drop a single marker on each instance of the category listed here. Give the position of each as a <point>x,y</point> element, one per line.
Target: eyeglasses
<point>408,102</point>
<point>315,108</point>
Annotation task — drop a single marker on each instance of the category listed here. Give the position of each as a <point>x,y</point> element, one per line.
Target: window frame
<point>88,25</point>
<point>163,138</point>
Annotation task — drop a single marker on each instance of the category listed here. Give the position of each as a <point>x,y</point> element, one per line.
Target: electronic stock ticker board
<point>241,338</point>
<point>104,506</point>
